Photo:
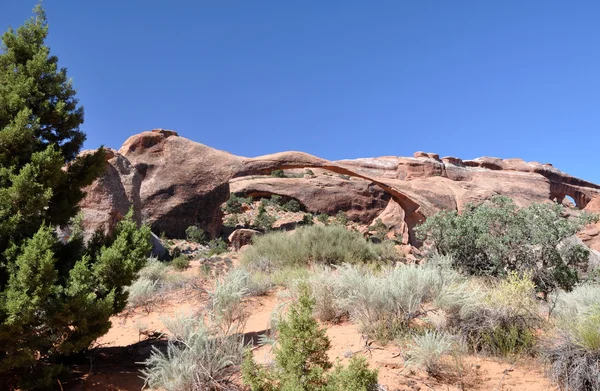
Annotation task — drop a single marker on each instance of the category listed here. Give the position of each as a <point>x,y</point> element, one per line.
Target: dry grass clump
<point>573,352</point>
<point>154,281</point>
<point>504,320</point>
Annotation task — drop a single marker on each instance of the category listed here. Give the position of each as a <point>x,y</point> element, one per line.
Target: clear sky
<point>338,79</point>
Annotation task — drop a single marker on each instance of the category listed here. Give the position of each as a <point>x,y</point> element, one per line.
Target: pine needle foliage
<point>55,297</point>
<point>301,361</point>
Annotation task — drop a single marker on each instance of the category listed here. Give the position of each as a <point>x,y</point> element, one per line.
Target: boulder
<point>242,237</point>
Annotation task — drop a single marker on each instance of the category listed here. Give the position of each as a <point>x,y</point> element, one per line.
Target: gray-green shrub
<point>197,358</point>
<point>428,350</point>
<point>573,351</point>
<point>328,245</point>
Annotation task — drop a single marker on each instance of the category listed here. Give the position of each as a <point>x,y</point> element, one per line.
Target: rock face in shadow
<point>360,199</point>
<point>184,183</point>
<point>109,198</point>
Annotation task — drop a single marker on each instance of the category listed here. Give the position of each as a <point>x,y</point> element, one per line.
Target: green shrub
<point>496,237</point>
<point>234,204</point>
<point>301,361</point>
<point>231,221</point>
<point>263,219</point>
<point>323,218</point>
<point>309,172</point>
<point>380,230</point>
<point>316,244</point>
<point>276,200</point>
<point>278,174</point>
<point>180,263</point>
<point>291,206</point>
<point>341,218</point>
<point>307,219</point>
<point>345,177</point>
<point>217,246</point>
<point>195,234</point>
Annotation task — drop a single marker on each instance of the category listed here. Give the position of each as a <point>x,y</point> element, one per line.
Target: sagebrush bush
<point>225,302</point>
<point>154,270</point>
<point>197,358</point>
<point>317,244</point>
<point>142,293</point>
<point>573,351</point>
<point>384,304</point>
<point>428,350</point>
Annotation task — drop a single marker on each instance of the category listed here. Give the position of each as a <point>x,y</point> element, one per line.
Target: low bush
<point>316,244</point>
<point>217,246</point>
<point>278,174</point>
<point>154,270</point>
<point>301,361</point>
<point>235,203</point>
<point>195,234</point>
<point>231,221</point>
<point>180,263</point>
<point>341,218</point>
<point>225,302</point>
<point>142,293</point>
<point>384,304</point>
<point>573,352</point>
<point>291,206</point>
<point>323,218</point>
<point>379,230</point>
<point>307,219</point>
<point>263,219</point>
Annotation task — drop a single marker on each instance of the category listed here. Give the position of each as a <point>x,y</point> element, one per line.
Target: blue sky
<point>338,79</point>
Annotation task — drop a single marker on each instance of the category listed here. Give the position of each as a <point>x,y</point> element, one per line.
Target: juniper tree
<point>55,298</point>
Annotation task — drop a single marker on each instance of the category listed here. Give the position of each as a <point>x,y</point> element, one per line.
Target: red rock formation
<point>110,197</point>
<point>184,183</point>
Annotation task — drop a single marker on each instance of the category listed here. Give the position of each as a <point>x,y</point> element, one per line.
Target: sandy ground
<point>116,368</point>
